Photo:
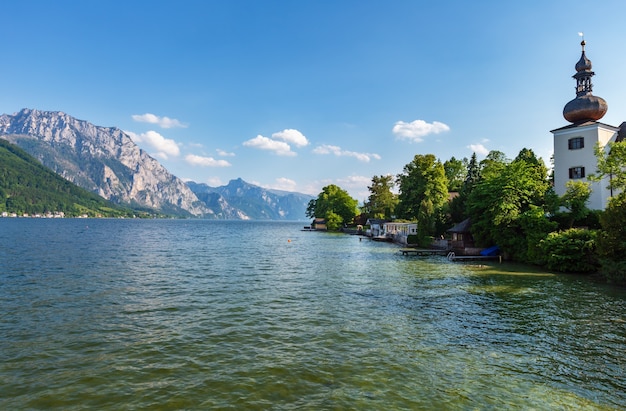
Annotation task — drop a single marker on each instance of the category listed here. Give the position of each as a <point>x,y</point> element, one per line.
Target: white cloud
<point>415,130</point>
<point>285,184</point>
<point>291,136</point>
<point>355,185</point>
<point>163,122</point>
<point>336,150</point>
<point>263,143</point>
<point>214,182</point>
<point>160,154</point>
<point>479,149</point>
<point>223,153</point>
<point>355,181</point>
<point>205,161</point>
<point>164,146</point>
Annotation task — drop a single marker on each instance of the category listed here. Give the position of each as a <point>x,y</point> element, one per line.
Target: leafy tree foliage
<point>457,207</point>
<point>534,226</point>
<point>612,240</point>
<point>503,203</point>
<point>382,201</point>
<point>572,250</point>
<point>334,221</point>
<point>423,193</point>
<point>575,199</point>
<point>456,171</point>
<point>611,163</point>
<point>495,162</point>
<point>335,205</point>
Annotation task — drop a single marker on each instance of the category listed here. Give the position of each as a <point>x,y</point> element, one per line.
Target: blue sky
<point>301,94</point>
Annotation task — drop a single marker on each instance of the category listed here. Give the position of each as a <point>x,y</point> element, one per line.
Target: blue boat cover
<point>491,251</point>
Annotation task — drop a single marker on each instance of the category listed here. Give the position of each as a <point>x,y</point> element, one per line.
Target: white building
<point>399,232</point>
<point>574,144</point>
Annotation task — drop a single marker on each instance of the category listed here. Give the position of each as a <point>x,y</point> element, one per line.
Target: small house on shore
<point>319,224</point>
<point>400,232</point>
<point>376,227</point>
<point>462,240</point>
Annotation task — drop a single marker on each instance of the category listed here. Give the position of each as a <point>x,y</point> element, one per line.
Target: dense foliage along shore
<point>510,203</point>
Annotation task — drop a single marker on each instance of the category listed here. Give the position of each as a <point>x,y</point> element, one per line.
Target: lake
<point>199,314</point>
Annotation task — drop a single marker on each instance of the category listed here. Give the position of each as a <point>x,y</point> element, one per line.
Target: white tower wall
<point>566,158</point>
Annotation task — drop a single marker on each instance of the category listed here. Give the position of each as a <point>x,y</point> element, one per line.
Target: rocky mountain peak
<point>101,159</point>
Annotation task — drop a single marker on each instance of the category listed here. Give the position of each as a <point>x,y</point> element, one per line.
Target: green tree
<point>381,202</point>
<point>334,222</point>
<point>611,242</point>
<point>572,251</point>
<point>457,207</point>
<point>473,174</point>
<point>456,171</point>
<point>494,163</point>
<point>611,164</point>
<point>575,199</point>
<point>333,204</point>
<point>310,208</point>
<point>423,193</point>
<point>500,199</point>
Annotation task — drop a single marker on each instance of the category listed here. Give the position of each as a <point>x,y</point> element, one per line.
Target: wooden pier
<point>450,255</point>
<point>422,252</point>
<point>453,257</point>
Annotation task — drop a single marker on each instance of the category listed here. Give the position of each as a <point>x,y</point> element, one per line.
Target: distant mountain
<point>241,200</point>
<point>28,187</point>
<point>103,160</point>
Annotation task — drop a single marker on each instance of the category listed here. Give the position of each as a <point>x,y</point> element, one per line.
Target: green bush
<point>572,250</point>
<point>412,239</point>
<point>612,242</point>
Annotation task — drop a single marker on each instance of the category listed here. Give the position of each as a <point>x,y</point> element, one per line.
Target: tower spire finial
<point>586,106</point>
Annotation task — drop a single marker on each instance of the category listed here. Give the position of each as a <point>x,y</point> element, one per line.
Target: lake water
<point>194,314</point>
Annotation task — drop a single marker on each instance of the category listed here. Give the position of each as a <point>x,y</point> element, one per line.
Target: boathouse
<point>319,224</point>
<point>462,241</point>
<point>400,232</point>
<point>376,227</point>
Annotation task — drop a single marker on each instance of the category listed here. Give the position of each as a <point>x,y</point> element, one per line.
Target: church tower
<point>574,144</point>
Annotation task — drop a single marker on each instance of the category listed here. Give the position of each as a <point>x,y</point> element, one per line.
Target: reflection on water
<point>113,314</point>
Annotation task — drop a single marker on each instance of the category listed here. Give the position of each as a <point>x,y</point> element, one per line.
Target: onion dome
<point>584,64</point>
<point>586,106</point>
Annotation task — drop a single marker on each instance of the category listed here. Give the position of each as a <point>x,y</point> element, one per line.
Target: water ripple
<point>110,314</point>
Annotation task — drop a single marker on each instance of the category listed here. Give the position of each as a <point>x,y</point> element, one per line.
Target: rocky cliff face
<point>101,159</point>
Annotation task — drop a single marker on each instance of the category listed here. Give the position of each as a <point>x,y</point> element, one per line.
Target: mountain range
<point>106,161</point>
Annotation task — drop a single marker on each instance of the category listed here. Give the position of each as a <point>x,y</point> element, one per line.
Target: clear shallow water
<point>125,314</point>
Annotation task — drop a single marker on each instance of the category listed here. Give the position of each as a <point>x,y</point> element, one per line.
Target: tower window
<point>576,143</point>
<point>577,172</point>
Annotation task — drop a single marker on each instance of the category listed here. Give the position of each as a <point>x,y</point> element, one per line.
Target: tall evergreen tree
<point>381,202</point>
<point>457,209</point>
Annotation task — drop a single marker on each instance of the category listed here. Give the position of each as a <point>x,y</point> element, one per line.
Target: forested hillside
<point>28,187</point>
